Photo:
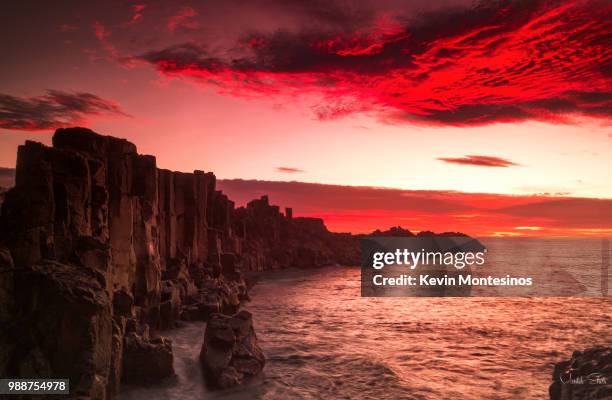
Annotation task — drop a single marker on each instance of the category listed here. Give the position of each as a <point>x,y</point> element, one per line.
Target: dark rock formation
<point>6,283</point>
<point>146,360</point>
<point>119,248</point>
<point>7,302</point>
<point>270,240</point>
<point>2,191</point>
<point>587,375</point>
<point>66,326</point>
<point>230,352</point>
<point>395,231</point>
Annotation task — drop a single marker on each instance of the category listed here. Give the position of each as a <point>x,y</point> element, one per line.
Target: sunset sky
<point>492,118</point>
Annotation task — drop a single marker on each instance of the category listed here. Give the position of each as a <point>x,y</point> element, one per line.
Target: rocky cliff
<point>100,249</point>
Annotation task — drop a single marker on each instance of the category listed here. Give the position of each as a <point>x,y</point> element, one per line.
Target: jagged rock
<point>114,377</point>
<point>133,325</point>
<point>28,208</point>
<point>145,240</point>
<point>67,326</point>
<point>214,296</point>
<point>123,304</point>
<point>230,353</point>
<point>170,307</point>
<point>92,253</point>
<point>199,273</point>
<point>177,272</point>
<point>146,360</point>
<point>394,231</point>
<point>271,240</point>
<point>587,375</point>
<point>6,308</point>
<point>214,246</point>
<point>229,267</point>
<point>2,192</point>
<point>6,283</point>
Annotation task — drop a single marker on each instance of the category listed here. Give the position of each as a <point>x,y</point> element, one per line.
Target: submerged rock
<point>587,375</point>
<point>230,352</point>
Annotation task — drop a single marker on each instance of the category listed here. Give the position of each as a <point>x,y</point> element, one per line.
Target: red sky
<point>441,100</point>
<point>364,209</point>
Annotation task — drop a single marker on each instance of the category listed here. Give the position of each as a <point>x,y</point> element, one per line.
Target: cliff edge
<point>100,250</point>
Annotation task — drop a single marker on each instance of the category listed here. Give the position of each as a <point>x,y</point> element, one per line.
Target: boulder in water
<point>230,352</point>
<point>146,360</point>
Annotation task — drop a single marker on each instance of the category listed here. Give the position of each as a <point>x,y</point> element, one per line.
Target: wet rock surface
<point>587,375</point>
<point>230,353</point>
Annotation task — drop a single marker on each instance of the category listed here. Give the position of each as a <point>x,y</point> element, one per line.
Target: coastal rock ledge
<point>587,375</point>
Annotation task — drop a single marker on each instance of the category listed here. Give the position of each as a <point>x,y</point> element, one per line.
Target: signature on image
<point>594,378</point>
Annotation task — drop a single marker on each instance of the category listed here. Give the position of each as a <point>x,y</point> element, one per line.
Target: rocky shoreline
<point>101,251</point>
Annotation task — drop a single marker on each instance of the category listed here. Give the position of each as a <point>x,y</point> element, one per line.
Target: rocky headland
<point>100,251</point>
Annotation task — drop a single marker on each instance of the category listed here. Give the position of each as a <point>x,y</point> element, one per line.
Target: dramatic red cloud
<point>103,35</point>
<point>138,10</point>
<point>479,161</point>
<point>498,62</point>
<point>364,209</point>
<point>56,109</point>
<point>100,31</point>
<point>289,170</point>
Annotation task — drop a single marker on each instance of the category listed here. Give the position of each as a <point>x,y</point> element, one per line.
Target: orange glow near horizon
<point>365,209</point>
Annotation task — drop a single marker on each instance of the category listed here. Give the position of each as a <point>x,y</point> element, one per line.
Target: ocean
<point>323,340</point>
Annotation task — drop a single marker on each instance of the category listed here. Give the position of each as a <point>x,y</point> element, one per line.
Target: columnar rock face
<point>66,330</point>
<point>587,375</point>
<point>124,248</point>
<point>271,240</point>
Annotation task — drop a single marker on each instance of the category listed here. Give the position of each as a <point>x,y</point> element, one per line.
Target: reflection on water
<point>323,340</point>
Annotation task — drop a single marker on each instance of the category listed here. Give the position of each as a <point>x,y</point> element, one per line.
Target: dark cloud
<point>289,170</point>
<point>590,212</point>
<point>555,110</point>
<point>53,110</point>
<point>502,61</point>
<point>479,161</point>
